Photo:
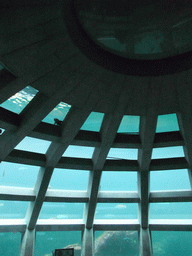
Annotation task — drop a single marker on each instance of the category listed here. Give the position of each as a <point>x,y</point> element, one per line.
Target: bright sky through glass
<point>118,181</point>
<point>116,211</point>
<point>169,180</point>
<point>129,124</point>
<point>18,175</point>
<point>167,152</point>
<point>123,153</point>
<point>33,145</point>
<point>20,100</point>
<point>78,151</point>
<point>93,122</point>
<point>167,123</point>
<point>69,179</point>
<point>59,112</point>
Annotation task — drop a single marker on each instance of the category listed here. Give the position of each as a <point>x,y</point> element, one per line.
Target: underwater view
<point>107,243</point>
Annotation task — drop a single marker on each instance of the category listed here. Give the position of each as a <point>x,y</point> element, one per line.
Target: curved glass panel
<point>116,243</point>
<point>69,179</point>
<point>129,124</point>
<point>167,152</point>
<point>18,175</point>
<point>61,211</point>
<point>118,181</point>
<point>172,243</point>
<point>10,244</point>
<point>122,153</point>
<point>138,29</point>
<point>20,100</point>
<point>13,209</point>
<point>116,211</point>
<point>169,180</point>
<point>93,122</point>
<point>167,123</point>
<point>171,210</point>
<point>47,242</point>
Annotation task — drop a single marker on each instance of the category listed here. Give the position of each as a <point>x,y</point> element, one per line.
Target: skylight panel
<point>10,243</point>
<point>33,145</point>
<point>171,210</point>
<point>13,209</point>
<point>167,123</point>
<point>167,152</point>
<point>56,240</point>
<point>61,211</point>
<point>1,131</point>
<point>129,124</point>
<point>122,153</point>
<point>118,181</point>
<point>79,151</point>
<point>169,180</point>
<point>57,114</point>
<point>20,100</point>
<point>115,243</point>
<point>116,211</point>
<point>69,179</point>
<point>18,175</point>
<point>172,243</point>
<point>93,122</point>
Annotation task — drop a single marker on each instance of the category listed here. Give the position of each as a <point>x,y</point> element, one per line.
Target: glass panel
<point>116,211</point>
<point>167,152</point>
<point>69,179</point>
<point>78,151</point>
<point>129,124</point>
<point>59,113</point>
<point>169,180</point>
<point>19,101</point>
<point>13,209</point>
<point>93,122</point>
<point>123,153</point>
<point>18,175</point>
<point>119,181</point>
<point>33,145</point>
<point>1,131</point>
<point>47,242</point>
<point>10,244</point>
<point>116,243</point>
<point>167,123</point>
<point>135,28</point>
<point>171,243</point>
<point>170,210</point>
<point>62,211</point>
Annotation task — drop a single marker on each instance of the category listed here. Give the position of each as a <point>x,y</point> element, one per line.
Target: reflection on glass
<point>10,243</point>
<point>139,30</point>
<point>119,181</point>
<point>19,101</point>
<point>169,180</point>
<point>116,211</point>
<point>129,124</point>
<point>167,152</point>
<point>69,179</point>
<point>59,113</point>
<point>61,211</point>
<point>115,243</point>
<point>171,210</point>
<point>167,123</point>
<point>33,145</point>
<point>123,153</point>
<point>79,151</point>
<point>93,122</point>
<point>57,240</point>
<point>13,209</point>
<point>172,243</point>
<point>18,175</point>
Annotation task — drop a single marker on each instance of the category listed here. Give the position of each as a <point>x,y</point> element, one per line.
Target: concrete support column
<point>145,245</point>
<point>28,243</point>
<point>87,243</point>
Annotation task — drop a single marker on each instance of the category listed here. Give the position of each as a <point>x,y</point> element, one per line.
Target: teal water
<point>18,175</point>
